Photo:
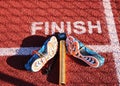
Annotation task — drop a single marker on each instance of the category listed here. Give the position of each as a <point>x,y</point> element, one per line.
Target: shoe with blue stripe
<point>80,51</point>
<point>43,55</point>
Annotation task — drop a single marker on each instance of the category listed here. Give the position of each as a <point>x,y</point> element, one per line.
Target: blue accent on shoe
<point>42,52</point>
<point>79,50</point>
<point>44,47</point>
<point>81,44</point>
<point>35,56</point>
<point>88,52</point>
<point>30,61</point>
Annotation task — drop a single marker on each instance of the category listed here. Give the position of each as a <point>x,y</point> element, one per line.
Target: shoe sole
<point>42,56</point>
<point>80,51</point>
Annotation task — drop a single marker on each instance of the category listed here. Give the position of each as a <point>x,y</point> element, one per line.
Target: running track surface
<point>17,41</point>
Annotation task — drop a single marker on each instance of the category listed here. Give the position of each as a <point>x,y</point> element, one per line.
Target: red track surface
<point>16,18</point>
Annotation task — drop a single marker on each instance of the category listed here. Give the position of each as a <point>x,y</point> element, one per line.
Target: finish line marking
<point>113,35</point>
<point>114,47</point>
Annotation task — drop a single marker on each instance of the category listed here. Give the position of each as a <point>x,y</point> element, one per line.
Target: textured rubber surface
<point>17,41</point>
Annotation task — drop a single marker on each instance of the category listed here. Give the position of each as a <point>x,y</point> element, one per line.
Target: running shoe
<point>43,55</point>
<point>80,51</point>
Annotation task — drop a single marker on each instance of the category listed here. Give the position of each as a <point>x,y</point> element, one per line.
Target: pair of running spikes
<point>74,48</point>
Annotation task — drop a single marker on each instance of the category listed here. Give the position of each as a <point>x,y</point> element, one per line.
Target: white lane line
<point>110,23</point>
<point>17,51</point>
<point>113,35</point>
<point>28,50</point>
<point>101,48</point>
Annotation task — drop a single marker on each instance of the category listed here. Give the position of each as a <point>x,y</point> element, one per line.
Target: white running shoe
<point>43,55</point>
